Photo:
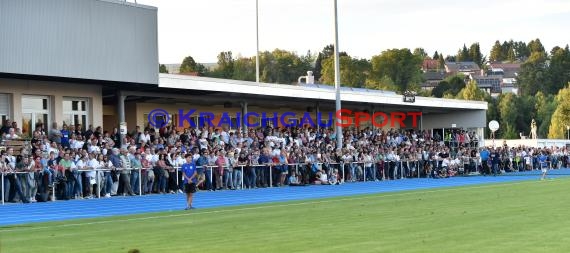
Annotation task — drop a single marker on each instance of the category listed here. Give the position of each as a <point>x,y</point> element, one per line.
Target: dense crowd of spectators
<point>77,163</point>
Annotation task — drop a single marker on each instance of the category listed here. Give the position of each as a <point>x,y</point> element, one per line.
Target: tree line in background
<point>542,78</point>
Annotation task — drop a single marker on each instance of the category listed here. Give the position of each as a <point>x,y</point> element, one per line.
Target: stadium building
<point>95,62</point>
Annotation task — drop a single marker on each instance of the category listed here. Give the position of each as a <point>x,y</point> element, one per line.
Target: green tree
<point>435,55</point>
<point>353,72</point>
<point>451,58</point>
<point>508,109</point>
<point>244,69</point>
<point>505,48</point>
<point>400,65</point>
<point>492,112</point>
<point>496,54</point>
<point>535,46</point>
<point>281,66</point>
<point>525,110</point>
<point>471,92</point>
<point>225,68</point>
<point>384,83</point>
<point>561,116</point>
<point>440,89</point>
<point>420,52</point>
<point>521,50</point>
<point>450,85</point>
<point>510,132</point>
<point>534,74</point>
<point>441,61</point>
<point>475,54</point>
<point>511,57</point>
<point>162,69</point>
<point>508,106</point>
<point>544,105</point>
<point>457,83</point>
<point>327,52</point>
<point>463,54</point>
<point>190,66</point>
<point>558,69</point>
<point>448,95</point>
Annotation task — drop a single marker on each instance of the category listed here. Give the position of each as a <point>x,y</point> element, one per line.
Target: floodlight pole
<point>257,40</point>
<point>337,78</point>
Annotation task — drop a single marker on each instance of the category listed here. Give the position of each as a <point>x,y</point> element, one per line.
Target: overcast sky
<point>202,29</point>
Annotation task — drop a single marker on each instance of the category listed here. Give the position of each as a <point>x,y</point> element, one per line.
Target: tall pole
<point>337,78</point>
<point>121,113</point>
<point>257,40</point>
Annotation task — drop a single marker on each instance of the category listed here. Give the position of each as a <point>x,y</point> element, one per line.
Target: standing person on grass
<point>190,178</point>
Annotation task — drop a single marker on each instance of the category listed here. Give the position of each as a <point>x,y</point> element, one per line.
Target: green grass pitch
<point>528,216</point>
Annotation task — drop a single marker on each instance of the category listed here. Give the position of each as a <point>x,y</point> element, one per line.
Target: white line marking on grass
<point>344,198</point>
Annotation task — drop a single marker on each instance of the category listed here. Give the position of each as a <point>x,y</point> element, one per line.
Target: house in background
<point>489,83</point>
<point>432,79</point>
<point>431,65</point>
<point>466,68</point>
<point>509,72</point>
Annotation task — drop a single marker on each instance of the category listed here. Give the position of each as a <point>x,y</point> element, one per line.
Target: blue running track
<point>16,214</point>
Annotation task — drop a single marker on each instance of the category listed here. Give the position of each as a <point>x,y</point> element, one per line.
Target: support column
<point>121,111</point>
<point>244,119</point>
<point>338,132</point>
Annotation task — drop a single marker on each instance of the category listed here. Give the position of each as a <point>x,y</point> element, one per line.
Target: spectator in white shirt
<point>12,134</point>
<point>144,137</point>
<point>225,136</point>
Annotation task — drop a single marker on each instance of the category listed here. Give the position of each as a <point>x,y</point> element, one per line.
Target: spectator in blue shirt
<point>190,174</point>
<point>65,137</point>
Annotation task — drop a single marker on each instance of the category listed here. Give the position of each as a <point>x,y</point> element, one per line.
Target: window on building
<point>35,114</point>
<point>76,112</point>
<point>4,107</point>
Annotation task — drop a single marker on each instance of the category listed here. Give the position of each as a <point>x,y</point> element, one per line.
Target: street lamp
<point>337,77</point>
<point>568,132</point>
<point>257,41</point>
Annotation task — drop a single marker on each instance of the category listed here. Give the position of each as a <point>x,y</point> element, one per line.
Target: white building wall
<point>57,92</point>
<point>89,39</point>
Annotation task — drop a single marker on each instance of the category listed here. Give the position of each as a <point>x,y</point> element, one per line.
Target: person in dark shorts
<point>190,178</point>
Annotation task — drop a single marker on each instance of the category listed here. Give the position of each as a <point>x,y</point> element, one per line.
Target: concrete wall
<point>110,119</point>
<point>537,143</point>
<point>462,119</point>
<point>56,91</point>
<point>88,39</point>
